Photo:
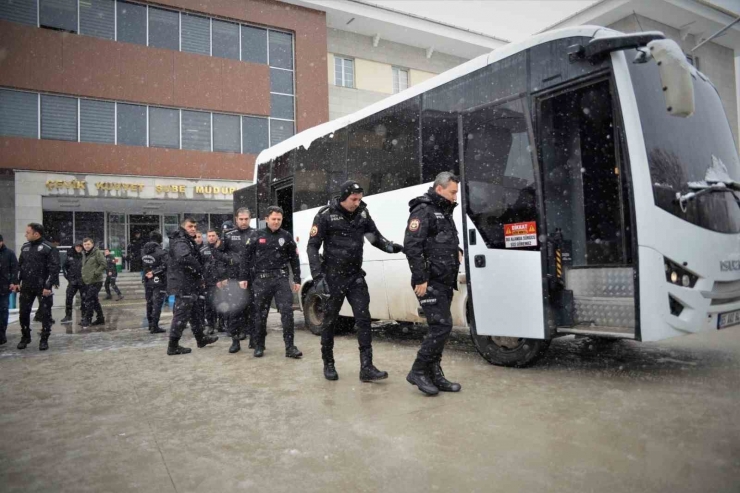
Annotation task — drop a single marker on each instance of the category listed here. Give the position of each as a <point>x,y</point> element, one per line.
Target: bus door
<point>502,231</point>
<point>589,268</point>
<point>282,196</point>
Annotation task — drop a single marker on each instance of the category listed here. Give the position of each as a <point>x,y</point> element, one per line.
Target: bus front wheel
<point>509,351</point>
<point>313,313</point>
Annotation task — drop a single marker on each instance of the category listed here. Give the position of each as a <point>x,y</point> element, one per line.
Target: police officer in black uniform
<point>38,273</point>
<point>432,249</point>
<point>185,281</point>
<point>342,227</point>
<point>72,269</point>
<point>214,272</point>
<point>240,321</point>
<point>265,266</point>
<point>111,275</point>
<point>154,261</point>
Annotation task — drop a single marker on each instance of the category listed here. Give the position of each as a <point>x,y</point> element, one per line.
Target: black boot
<point>330,372</point>
<point>156,329</point>
<point>210,330</point>
<point>439,380</point>
<point>3,338</point>
<point>368,372</point>
<point>67,318</point>
<point>259,351</point>
<point>44,342</point>
<point>235,346</point>
<point>293,352</point>
<point>204,340</point>
<point>418,376</point>
<point>174,348</point>
<point>25,338</point>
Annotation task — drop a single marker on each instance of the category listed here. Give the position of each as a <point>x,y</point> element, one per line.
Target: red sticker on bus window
<point>518,235</point>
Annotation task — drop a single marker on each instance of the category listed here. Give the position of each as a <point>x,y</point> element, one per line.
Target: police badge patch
<point>414,225</point>
<point>281,241</point>
<point>314,230</point>
<point>41,247</point>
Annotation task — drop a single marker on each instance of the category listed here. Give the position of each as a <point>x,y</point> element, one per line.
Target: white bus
<point>598,177</point>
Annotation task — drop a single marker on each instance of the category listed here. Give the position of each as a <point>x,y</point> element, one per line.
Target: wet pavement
<point>107,410</point>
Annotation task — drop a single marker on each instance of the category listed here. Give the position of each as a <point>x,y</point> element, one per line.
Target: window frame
<point>343,81</point>
<point>396,73</point>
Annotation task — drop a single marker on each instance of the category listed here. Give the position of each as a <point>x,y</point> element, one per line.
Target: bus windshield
<point>682,150</point>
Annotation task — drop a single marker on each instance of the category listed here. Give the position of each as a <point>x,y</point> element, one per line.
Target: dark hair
<point>155,236</point>
<point>274,209</point>
<point>87,238</point>
<point>213,231</point>
<point>243,210</point>
<point>188,220</point>
<point>38,228</point>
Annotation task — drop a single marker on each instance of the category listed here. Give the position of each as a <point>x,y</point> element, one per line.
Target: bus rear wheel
<point>313,314</point>
<point>509,351</point>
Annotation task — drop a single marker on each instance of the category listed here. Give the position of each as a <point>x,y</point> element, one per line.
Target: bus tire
<point>313,314</point>
<point>506,351</point>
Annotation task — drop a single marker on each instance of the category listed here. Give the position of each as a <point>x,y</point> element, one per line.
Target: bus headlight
<point>678,275</point>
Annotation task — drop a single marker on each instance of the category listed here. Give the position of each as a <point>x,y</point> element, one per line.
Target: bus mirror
<point>675,77</point>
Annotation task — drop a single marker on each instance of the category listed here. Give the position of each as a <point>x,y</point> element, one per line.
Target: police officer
<point>154,262</point>
<point>72,269</point>
<point>265,265</point>
<point>432,249</point>
<point>342,228</point>
<point>214,272</point>
<point>111,275</point>
<point>240,322</point>
<point>185,281</point>
<point>38,272</point>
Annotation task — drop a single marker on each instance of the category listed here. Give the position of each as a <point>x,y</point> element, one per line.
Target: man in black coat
<point>185,281</point>
<point>214,272</point>
<point>8,275</point>
<point>433,250</point>
<point>72,269</point>
<point>154,260</point>
<point>267,259</point>
<point>342,228</point>
<point>38,273</point>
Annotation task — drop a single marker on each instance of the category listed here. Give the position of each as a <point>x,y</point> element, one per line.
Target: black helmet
<point>227,225</point>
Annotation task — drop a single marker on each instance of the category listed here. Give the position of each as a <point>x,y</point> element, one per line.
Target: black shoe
<point>120,297</point>
<point>44,343</point>
<point>368,372</point>
<point>3,338</point>
<point>330,372</point>
<point>157,330</point>
<point>67,320</point>
<point>206,340</point>
<point>25,339</point>
<point>293,352</point>
<point>100,321</point>
<point>242,336</point>
<point>235,346</point>
<point>418,376</point>
<point>174,348</point>
<point>259,351</point>
<point>439,380</point>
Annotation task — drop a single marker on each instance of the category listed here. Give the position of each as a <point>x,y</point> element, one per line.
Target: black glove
<point>394,247</point>
<point>321,286</point>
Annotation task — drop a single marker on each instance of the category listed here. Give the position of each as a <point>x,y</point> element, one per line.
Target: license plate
<point>728,319</point>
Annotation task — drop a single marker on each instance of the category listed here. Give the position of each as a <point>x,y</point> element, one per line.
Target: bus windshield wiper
<point>701,188</point>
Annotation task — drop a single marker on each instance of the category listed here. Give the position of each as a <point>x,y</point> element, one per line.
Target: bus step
<point>598,331</point>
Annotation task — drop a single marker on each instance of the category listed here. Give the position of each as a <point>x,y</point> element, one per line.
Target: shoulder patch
<point>314,230</point>
<point>414,225</point>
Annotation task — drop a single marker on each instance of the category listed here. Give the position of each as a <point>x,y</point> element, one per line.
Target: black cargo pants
<point>436,305</point>
<point>187,309</point>
<point>72,289</point>
<point>155,293</point>
<point>266,287</point>
<point>354,288</point>
<point>25,302</point>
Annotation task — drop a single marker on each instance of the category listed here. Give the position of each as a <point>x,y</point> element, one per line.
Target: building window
<point>254,45</point>
<point>281,106</point>
<point>131,124</point>
<point>19,113</point>
<point>90,225</point>
<point>255,135</point>
<point>400,80</point>
<point>693,60</point>
<point>59,225</point>
<point>164,29</point>
<point>226,133</point>
<point>281,81</point>
<point>21,11</point>
<point>280,130</point>
<point>164,128</point>
<point>196,130</point>
<point>344,72</point>
<point>97,18</point>
<point>281,50</point>
<point>131,23</point>
<point>196,34</point>
<point>58,14</point>
<point>225,39</point>
<point>97,121</point>
<point>58,118</point>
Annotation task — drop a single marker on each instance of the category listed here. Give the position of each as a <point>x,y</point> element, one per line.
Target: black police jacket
<point>154,259</point>
<point>214,270</point>
<point>270,252</point>
<point>184,269</point>
<point>38,266</point>
<point>8,269</point>
<point>231,251</point>
<point>431,243</point>
<point>72,267</point>
<point>110,269</point>
<point>343,235</point>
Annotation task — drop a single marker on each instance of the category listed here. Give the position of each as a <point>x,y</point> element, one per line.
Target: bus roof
<point>306,137</point>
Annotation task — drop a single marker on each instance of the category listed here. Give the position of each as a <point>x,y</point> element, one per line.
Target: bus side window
<point>319,170</point>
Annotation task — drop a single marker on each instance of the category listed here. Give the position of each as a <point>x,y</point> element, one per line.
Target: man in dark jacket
<point>38,273</point>
<point>111,275</point>
<point>72,269</point>
<point>94,268</point>
<point>342,228</point>
<point>8,276</point>
<point>214,272</point>
<point>265,266</point>
<point>433,251</point>
<point>185,281</point>
<point>154,259</point>
<point>240,321</point>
